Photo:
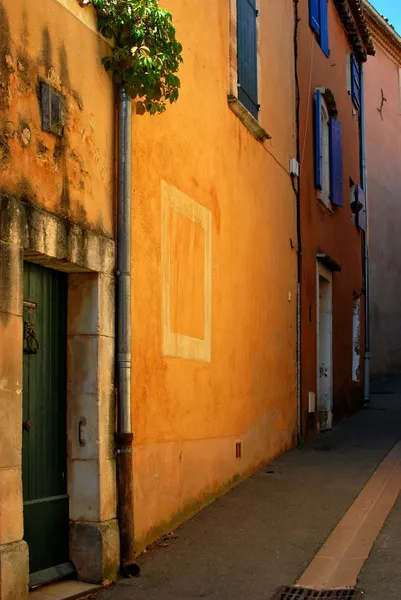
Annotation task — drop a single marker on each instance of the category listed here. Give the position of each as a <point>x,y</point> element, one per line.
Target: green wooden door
<point>44,474</point>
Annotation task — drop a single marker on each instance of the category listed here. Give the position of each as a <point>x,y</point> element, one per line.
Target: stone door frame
<point>29,234</point>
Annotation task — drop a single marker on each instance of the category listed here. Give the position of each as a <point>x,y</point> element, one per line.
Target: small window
<point>355,82</point>
<point>319,22</point>
<point>328,154</point>
<point>53,105</point>
<point>247,55</point>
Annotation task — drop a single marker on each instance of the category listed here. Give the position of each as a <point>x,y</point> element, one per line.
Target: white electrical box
<point>294,167</point>
<point>312,402</point>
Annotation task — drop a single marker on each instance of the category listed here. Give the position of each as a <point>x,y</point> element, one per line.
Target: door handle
<point>26,426</point>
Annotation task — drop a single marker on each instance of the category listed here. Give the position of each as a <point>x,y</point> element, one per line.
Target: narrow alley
<point>264,533</point>
<point>200,274</point>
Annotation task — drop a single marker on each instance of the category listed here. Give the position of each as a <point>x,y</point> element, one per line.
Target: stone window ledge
<point>326,206</point>
<point>248,120</point>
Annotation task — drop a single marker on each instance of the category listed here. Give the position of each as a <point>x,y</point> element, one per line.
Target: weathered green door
<point>44,474</point>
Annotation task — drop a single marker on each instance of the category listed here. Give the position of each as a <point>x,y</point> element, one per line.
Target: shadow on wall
<point>32,160</point>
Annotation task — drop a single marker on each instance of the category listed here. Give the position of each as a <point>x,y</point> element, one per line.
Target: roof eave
<point>351,13</point>
<point>382,23</point>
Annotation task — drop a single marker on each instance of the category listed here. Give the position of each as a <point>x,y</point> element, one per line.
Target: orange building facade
<point>214,280</point>
<point>214,266</point>
<point>58,509</point>
<point>333,45</point>
<point>383,149</point>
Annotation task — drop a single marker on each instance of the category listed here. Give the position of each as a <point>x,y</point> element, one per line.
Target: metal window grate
<point>299,593</point>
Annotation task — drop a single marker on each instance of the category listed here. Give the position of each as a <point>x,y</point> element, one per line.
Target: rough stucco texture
<point>383,151</point>
<point>188,413</point>
<point>69,175</point>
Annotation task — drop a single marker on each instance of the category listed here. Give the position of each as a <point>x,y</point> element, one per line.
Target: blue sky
<point>391,9</point>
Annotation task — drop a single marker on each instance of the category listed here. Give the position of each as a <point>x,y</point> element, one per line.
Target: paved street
<point>264,533</point>
<point>381,575</point>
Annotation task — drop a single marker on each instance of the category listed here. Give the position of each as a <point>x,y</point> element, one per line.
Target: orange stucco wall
<point>57,208</point>
<point>333,232</point>
<point>383,151</point>
<point>70,176</point>
<point>214,280</point>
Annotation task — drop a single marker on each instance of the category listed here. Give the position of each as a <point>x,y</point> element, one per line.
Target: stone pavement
<point>265,532</point>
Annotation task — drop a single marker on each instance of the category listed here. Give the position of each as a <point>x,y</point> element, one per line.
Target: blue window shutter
<point>336,163</point>
<point>318,140</point>
<point>361,216</point>
<point>324,27</point>
<point>355,82</point>
<point>247,55</point>
<point>314,15</point>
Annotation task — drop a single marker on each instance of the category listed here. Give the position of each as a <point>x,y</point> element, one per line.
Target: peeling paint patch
<point>10,130</point>
<point>25,136</point>
<point>4,153</point>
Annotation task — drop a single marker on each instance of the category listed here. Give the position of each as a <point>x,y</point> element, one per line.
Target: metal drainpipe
<point>124,435</point>
<point>297,190</point>
<point>366,379</point>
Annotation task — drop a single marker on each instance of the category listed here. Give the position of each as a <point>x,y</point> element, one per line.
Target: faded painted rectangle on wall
<point>186,270</point>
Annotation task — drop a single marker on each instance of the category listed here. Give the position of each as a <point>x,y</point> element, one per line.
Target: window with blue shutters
<point>361,216</point>
<point>247,55</point>
<point>328,153</point>
<point>319,22</point>
<point>355,82</point>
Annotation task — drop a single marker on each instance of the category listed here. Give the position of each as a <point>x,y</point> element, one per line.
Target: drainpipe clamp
<point>124,451</point>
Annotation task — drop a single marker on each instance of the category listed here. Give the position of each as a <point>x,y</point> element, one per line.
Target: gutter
<point>365,246</point>
<point>124,436</point>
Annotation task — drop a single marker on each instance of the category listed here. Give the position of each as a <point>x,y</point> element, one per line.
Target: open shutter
<point>336,163</point>
<point>361,216</point>
<point>355,82</point>
<point>247,55</point>
<point>318,140</point>
<point>324,27</point>
<point>314,15</point>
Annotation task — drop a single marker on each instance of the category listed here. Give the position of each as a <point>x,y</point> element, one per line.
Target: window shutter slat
<point>318,140</point>
<point>355,82</point>
<point>247,55</point>
<point>324,27</point>
<point>314,19</point>
<point>361,216</point>
<point>336,163</point>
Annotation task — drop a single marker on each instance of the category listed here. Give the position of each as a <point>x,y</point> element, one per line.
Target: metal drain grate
<point>299,593</point>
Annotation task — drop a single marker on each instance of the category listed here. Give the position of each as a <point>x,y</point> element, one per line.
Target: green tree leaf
<point>147,54</point>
